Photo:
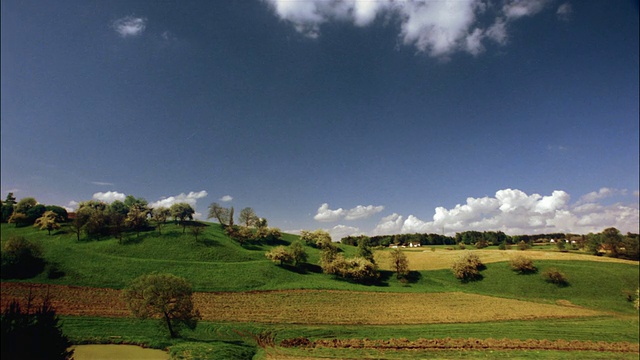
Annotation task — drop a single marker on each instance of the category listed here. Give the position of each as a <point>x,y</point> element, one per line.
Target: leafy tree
<point>612,240</point>
<point>25,204</point>
<point>467,267</point>
<point>318,238</point>
<point>21,259</point>
<point>298,254</point>
<point>117,223</point>
<point>561,245</point>
<point>8,206</point>
<point>35,212</point>
<point>137,218</point>
<point>131,201</point>
<point>364,249</point>
<point>119,207</point>
<point>399,263</point>
<point>219,213</point>
<point>78,223</point>
<point>241,234</point>
<point>523,245</point>
<point>328,256</point>
<point>182,212</point>
<point>160,216</point>
<point>248,217</point>
<point>63,215</point>
<point>19,219</point>
<point>163,296</point>
<point>357,269</point>
<point>279,254</point>
<point>48,221</point>
<point>33,335</point>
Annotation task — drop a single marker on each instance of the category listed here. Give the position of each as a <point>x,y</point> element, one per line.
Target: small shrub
<point>461,246</point>
<point>522,265</point>
<point>522,245</point>
<point>636,302</point>
<point>554,276</point>
<point>467,267</point>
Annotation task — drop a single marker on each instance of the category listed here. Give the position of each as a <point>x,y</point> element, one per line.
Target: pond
<point>117,352</point>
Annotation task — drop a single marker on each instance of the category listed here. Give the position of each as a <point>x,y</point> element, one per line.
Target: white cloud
<point>109,196</point>
<point>362,212</point>
<point>339,231</point>
<point>438,28</point>
<point>226,198</point>
<point>324,214</point>
<point>518,8</point>
<point>515,212</point>
<point>191,198</point>
<point>130,26</point>
<point>391,224</point>
<point>564,12</point>
<point>601,194</point>
<point>102,183</point>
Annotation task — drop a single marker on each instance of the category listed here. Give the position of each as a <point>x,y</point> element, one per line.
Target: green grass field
<point>216,263</point>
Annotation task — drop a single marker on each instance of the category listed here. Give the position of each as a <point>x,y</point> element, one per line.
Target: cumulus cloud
<point>191,198</point>
<point>437,28</point>
<point>324,214</point>
<point>226,198</point>
<point>515,212</point>
<point>601,194</point>
<point>339,231</point>
<point>109,196</point>
<point>363,212</point>
<point>129,26</point>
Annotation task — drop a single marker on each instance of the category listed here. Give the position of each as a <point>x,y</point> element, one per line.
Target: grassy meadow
<point>243,297</point>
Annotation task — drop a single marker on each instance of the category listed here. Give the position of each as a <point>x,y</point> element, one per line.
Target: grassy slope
<point>216,263</point>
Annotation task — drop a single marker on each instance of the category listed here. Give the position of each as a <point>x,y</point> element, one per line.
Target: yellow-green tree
<point>48,221</point>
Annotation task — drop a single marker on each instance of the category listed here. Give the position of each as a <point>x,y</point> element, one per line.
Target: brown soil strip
<point>308,306</point>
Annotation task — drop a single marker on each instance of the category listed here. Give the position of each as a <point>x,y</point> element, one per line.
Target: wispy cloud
<point>102,183</point>
<point>130,26</point>
<point>324,214</point>
<point>564,12</point>
<point>109,196</point>
<point>190,198</point>
<point>226,198</point>
<point>515,212</point>
<point>437,28</point>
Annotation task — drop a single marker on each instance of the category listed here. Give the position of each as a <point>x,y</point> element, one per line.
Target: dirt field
<point>310,306</point>
<point>424,258</point>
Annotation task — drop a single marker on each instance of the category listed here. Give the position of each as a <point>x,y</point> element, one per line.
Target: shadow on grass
<point>208,242</point>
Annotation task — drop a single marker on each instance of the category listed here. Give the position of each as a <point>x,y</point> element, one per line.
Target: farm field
<point>250,307</point>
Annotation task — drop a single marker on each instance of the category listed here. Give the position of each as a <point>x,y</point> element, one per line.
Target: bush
<point>461,246</point>
<point>522,264</point>
<point>522,245</point>
<point>468,267</point>
<point>357,269</point>
<point>554,276</point>
<point>21,259</point>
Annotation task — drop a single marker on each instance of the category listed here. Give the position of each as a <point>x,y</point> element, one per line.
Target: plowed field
<point>309,306</point>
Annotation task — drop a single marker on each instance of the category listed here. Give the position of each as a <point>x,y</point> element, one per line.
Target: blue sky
<point>371,117</point>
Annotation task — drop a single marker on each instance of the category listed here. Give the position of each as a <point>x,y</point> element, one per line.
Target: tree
<point>33,335</point>
<point>219,213</point>
<point>467,267</point>
<point>328,256</point>
<point>196,229</point>
<point>182,212</point>
<point>131,201</point>
<point>364,249</point>
<point>298,254</point>
<point>137,218</point>
<point>279,254</point>
<point>318,238</point>
<point>18,218</point>
<point>119,207</point>
<point>25,204</point>
<point>160,215</point>
<point>163,296</point>
<point>63,215</point>
<point>522,265</point>
<point>248,217</point>
<point>48,221</point>
<point>399,263</point>
<point>612,240</point>
<point>78,223</point>
<point>8,206</point>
